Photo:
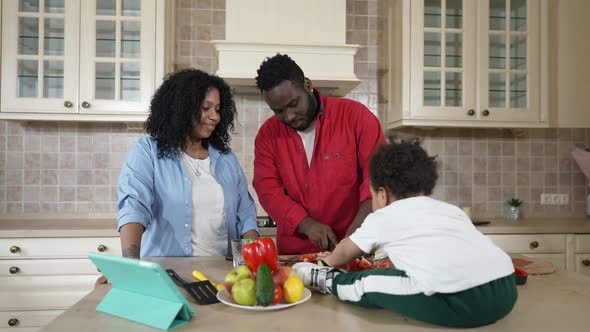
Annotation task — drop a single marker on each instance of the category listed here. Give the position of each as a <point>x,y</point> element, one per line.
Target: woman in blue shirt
<point>182,191</point>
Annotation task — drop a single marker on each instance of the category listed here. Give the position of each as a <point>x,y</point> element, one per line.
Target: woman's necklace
<point>194,166</point>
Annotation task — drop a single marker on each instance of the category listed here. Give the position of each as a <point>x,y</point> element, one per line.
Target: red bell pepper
<point>261,251</point>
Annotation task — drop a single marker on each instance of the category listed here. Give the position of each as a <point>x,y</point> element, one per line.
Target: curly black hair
<point>404,169</point>
<point>177,102</point>
<point>276,69</point>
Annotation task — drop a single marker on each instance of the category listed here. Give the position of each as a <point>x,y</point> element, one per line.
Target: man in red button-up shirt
<point>311,159</point>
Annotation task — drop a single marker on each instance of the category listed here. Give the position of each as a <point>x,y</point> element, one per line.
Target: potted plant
<point>513,209</point>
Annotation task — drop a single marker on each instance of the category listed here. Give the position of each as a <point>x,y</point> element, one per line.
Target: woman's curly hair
<point>177,102</point>
<point>404,169</point>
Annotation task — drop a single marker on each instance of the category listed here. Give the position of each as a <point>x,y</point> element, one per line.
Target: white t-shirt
<point>209,229</point>
<point>435,243</point>
<point>308,138</point>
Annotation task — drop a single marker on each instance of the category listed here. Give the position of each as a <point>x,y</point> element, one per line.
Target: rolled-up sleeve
<point>135,188</point>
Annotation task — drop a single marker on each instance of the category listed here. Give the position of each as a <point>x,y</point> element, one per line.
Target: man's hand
<point>318,233</point>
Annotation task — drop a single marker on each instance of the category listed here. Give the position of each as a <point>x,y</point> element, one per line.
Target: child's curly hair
<point>178,101</point>
<point>404,169</point>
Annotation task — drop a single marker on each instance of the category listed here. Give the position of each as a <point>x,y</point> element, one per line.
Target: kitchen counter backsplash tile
<point>48,167</point>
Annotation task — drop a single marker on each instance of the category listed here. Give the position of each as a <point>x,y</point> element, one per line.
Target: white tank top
<point>209,231</point>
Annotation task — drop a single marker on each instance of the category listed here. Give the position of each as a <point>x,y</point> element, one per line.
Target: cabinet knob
<point>85,104</point>
<point>586,262</point>
<point>13,322</point>
<point>485,113</point>
<point>471,112</point>
<point>68,104</point>
<point>13,269</point>
<point>534,245</point>
<point>14,249</point>
<point>101,248</point>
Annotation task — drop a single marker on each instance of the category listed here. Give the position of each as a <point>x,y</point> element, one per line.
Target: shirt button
<point>186,225</point>
<point>185,202</point>
<point>307,187</point>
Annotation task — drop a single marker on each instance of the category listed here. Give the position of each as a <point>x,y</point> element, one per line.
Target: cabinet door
<point>583,264</point>
<point>558,260</point>
<point>28,248</point>
<point>443,59</point>
<point>26,319</point>
<point>117,55</point>
<point>54,292</point>
<point>509,55</point>
<point>39,55</point>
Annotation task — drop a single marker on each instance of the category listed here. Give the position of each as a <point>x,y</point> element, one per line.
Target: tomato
<point>278,295</point>
<point>352,266</point>
<point>364,264</point>
<point>386,264</point>
<point>308,258</point>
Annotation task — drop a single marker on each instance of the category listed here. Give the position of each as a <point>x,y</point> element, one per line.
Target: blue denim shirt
<point>157,193</point>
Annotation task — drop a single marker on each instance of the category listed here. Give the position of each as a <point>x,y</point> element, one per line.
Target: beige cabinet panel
<point>558,260</point>
<point>530,243</point>
<point>31,267</point>
<point>43,292</point>
<point>583,243</point>
<point>26,319</point>
<point>583,264</point>
<point>15,248</point>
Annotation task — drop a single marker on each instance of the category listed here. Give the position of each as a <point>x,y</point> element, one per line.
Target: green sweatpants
<point>392,289</point>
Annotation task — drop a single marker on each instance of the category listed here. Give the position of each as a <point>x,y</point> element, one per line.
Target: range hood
<point>311,32</point>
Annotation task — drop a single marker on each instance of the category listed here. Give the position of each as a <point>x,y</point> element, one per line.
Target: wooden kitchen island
<point>556,302</point>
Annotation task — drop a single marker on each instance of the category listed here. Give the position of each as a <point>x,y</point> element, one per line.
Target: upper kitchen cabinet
<point>95,60</point>
<point>465,63</point>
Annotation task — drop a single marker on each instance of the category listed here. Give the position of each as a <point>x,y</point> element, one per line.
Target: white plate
<point>224,297</point>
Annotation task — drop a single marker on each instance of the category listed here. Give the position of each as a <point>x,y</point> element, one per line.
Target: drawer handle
<point>534,245</point>
<point>586,262</point>
<point>101,248</point>
<point>14,249</point>
<point>13,270</point>
<point>13,322</point>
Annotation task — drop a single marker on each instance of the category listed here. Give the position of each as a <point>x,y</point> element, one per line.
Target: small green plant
<point>514,202</point>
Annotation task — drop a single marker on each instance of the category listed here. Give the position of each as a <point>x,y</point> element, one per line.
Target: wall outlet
<point>555,199</point>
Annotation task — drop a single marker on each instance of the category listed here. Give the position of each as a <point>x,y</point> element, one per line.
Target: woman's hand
<point>101,281</point>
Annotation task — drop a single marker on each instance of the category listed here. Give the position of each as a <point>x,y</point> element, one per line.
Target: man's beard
<point>312,111</point>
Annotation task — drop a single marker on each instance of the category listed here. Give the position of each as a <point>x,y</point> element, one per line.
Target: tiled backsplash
<point>73,167</point>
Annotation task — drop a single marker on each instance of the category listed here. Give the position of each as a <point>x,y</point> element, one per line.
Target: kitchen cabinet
<point>465,63</point>
<point>582,254</point>
<point>41,276</point>
<point>549,247</point>
<point>81,60</point>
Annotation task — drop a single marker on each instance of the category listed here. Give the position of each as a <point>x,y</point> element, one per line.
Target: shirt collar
<point>320,100</point>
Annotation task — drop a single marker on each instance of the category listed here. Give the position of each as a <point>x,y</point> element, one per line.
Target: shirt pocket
<point>339,166</point>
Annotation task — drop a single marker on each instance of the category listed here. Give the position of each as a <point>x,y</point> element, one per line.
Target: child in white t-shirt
<point>446,272</point>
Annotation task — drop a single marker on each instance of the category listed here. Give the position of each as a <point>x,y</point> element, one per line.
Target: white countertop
<point>555,302</point>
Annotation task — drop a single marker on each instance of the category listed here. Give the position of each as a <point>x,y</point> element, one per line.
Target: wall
<point>569,75</point>
<point>73,167</point>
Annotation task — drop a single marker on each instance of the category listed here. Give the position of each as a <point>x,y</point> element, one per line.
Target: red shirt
<point>333,187</point>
